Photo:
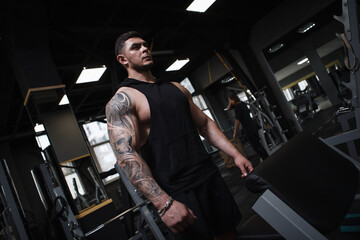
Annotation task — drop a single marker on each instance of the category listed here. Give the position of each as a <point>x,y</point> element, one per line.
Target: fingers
<point>192,213</point>
<point>250,168</point>
<point>245,167</point>
<point>191,217</point>
<point>181,226</point>
<point>246,170</point>
<point>177,228</point>
<point>243,171</point>
<point>178,217</point>
<point>187,220</point>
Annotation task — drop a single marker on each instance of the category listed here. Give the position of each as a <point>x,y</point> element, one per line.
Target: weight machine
<point>66,226</point>
<point>271,134</point>
<point>13,215</point>
<point>54,201</point>
<point>350,39</point>
<point>305,106</point>
<point>145,214</point>
<point>147,220</point>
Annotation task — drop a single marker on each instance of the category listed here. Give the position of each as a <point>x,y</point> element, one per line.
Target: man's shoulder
<point>120,103</point>
<point>182,88</point>
<point>124,93</point>
<point>127,96</point>
<point>124,89</point>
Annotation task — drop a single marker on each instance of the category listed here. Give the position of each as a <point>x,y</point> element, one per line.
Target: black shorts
<point>214,207</point>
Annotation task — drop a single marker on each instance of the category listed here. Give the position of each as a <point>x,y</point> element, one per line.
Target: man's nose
<point>145,48</point>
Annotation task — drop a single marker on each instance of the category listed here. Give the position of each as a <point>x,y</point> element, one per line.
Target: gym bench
<point>307,190</point>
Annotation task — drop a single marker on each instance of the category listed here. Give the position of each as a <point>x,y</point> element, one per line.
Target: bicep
<point>199,117</point>
<point>120,124</point>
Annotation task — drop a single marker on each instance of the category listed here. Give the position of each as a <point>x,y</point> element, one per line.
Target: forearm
<point>178,216</point>
<point>215,137</point>
<point>213,134</point>
<point>140,176</point>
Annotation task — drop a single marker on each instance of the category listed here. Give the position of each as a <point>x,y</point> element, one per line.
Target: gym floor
<point>322,126</point>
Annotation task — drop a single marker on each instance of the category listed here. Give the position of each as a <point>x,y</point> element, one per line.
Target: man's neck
<point>143,76</point>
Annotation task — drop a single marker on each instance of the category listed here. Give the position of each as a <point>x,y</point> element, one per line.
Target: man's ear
<point>122,59</point>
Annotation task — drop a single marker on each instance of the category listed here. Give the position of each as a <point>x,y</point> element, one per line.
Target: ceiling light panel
<point>306,27</point>
<point>39,127</point>
<point>275,47</point>
<point>200,5</point>
<point>64,100</point>
<point>303,61</point>
<point>91,74</point>
<point>177,65</point>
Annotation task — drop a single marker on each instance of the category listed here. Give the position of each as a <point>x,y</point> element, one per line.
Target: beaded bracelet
<point>168,203</point>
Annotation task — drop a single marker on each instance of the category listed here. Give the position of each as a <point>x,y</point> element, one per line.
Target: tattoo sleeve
<point>121,129</point>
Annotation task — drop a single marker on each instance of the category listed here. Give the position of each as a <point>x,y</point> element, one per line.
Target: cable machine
<point>13,214</point>
<point>350,39</point>
<point>272,136</point>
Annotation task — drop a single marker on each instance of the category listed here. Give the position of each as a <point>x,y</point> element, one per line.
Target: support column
<point>277,91</point>
<point>319,68</point>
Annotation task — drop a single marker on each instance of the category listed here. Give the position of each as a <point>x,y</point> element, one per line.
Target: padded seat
<point>312,179</point>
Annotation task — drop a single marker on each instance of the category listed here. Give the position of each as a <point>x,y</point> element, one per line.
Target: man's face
<point>136,55</point>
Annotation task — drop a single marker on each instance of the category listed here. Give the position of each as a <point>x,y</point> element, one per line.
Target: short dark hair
<point>120,41</point>
<point>235,98</point>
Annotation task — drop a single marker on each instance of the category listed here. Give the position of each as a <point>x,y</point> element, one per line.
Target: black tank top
<point>173,151</point>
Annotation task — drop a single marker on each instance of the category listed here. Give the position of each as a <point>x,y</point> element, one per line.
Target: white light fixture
<point>306,27</point>
<point>200,5</point>
<point>177,65</point>
<point>227,80</point>
<point>187,84</point>
<point>303,61</point>
<point>64,100</point>
<point>39,127</point>
<point>91,74</point>
<point>275,47</point>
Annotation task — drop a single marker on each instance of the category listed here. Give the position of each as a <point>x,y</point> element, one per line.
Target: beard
<point>143,68</point>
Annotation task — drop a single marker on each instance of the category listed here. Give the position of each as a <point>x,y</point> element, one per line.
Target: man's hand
<point>178,217</point>
<point>244,165</point>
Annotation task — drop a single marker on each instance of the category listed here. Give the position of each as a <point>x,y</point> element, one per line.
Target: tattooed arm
<point>122,128</point>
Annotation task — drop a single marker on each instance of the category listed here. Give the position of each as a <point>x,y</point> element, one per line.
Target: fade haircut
<point>120,41</point>
<point>235,98</point>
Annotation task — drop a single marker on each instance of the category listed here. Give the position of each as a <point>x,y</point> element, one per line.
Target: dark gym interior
<point>294,63</point>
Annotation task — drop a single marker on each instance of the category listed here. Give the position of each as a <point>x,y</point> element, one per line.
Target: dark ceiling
<point>82,34</point>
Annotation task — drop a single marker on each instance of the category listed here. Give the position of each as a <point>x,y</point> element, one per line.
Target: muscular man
<point>154,130</point>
